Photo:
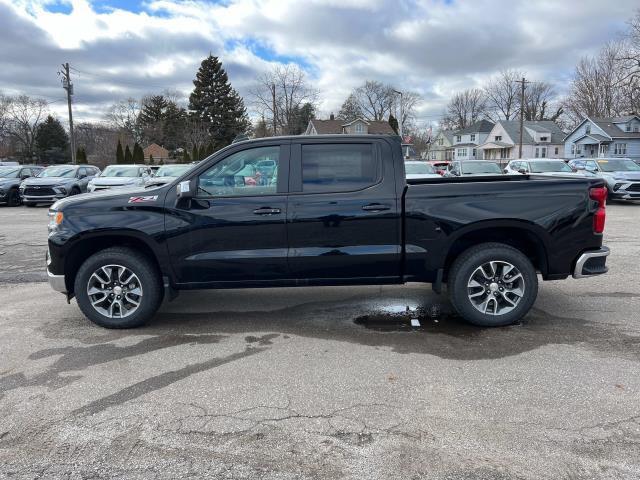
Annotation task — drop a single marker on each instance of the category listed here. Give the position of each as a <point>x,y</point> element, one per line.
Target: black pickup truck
<point>325,210</point>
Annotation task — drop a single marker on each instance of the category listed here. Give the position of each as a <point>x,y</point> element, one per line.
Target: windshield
<point>418,168</point>
<point>118,171</point>
<point>480,167</point>
<point>550,166</point>
<point>172,170</point>
<point>9,172</point>
<point>67,172</point>
<point>618,165</point>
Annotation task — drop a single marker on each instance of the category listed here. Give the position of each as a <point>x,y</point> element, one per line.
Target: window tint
<point>81,172</point>
<point>25,171</point>
<point>339,168</point>
<point>245,173</point>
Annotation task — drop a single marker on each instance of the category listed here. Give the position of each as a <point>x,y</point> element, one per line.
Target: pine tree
<point>119,153</point>
<point>216,103</point>
<point>161,162</point>
<point>81,155</point>
<point>202,152</point>
<point>151,162</point>
<point>51,141</point>
<point>194,154</point>
<point>138,154</point>
<point>128,157</point>
<point>393,121</point>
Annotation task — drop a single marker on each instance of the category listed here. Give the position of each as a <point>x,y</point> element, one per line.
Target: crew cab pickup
<point>325,210</point>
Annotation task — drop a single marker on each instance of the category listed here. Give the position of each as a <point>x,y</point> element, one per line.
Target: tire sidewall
<point>460,298</point>
<point>149,281</point>
<point>13,198</point>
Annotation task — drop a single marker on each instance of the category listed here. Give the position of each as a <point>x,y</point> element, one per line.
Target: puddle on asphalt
<point>407,319</point>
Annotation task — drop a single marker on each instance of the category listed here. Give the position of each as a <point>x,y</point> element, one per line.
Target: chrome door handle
<point>375,207</point>
<point>267,211</point>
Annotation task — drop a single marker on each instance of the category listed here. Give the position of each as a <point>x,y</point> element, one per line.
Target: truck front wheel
<point>492,284</point>
<point>118,288</point>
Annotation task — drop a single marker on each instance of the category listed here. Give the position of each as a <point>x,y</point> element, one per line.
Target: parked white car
<point>168,173</point>
<point>415,170</point>
<point>119,176</point>
<point>621,174</point>
<point>541,166</point>
<point>476,168</point>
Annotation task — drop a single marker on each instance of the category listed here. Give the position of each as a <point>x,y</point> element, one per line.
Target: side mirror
<point>24,177</point>
<point>186,189</point>
<point>82,175</point>
<point>522,170</point>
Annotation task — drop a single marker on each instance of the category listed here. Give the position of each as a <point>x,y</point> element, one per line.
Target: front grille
<point>39,192</point>
<point>634,187</point>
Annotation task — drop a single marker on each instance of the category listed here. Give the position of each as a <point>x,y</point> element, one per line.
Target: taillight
<point>599,194</point>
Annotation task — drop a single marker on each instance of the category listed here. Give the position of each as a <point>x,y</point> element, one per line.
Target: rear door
<point>344,216</point>
<point>234,229</point>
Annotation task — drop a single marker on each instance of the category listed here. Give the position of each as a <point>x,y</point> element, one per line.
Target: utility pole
<point>68,86</point>
<point>401,115</point>
<point>273,100</point>
<point>522,83</point>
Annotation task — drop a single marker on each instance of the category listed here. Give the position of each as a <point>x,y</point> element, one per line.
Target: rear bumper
<point>591,263</point>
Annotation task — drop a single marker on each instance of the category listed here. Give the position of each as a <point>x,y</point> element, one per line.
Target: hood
<point>625,175</point>
<point>85,198</point>
<point>116,180</point>
<point>47,180</point>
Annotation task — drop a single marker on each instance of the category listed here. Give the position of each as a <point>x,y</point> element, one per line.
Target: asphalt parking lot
<point>321,382</point>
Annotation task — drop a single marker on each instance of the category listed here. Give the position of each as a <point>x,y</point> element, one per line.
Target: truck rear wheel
<point>118,288</point>
<point>492,285</point>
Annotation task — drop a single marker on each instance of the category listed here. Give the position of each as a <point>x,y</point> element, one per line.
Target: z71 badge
<point>145,199</point>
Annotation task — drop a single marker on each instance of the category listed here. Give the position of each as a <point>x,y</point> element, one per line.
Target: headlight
<point>55,219</point>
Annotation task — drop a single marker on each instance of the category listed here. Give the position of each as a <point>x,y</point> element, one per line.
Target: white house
<point>540,139</point>
<point>467,140</point>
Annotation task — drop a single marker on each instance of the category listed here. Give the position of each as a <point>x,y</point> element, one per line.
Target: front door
<point>343,217</point>
<point>234,229</point>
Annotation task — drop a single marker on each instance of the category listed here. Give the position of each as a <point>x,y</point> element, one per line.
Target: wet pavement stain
<point>75,359</point>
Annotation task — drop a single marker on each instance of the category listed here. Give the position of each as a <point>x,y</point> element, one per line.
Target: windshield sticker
<point>144,199</point>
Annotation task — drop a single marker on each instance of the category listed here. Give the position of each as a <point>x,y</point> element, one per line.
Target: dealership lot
<point>320,382</point>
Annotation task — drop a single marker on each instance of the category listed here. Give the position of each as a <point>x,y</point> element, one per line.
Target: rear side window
<point>339,167</point>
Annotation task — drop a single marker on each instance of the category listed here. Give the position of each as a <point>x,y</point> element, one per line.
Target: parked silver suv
<point>621,174</point>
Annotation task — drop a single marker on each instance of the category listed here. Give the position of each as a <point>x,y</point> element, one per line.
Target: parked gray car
<point>467,168</point>
<point>621,174</point>
<point>56,182</point>
<point>10,178</point>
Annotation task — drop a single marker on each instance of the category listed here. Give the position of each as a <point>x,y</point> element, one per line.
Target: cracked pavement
<point>321,383</point>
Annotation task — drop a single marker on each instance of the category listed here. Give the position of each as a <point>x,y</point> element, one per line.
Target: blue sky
<point>124,48</point>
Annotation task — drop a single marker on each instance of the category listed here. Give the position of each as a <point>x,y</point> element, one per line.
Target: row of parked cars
<point>33,184</point>
<point>621,174</point>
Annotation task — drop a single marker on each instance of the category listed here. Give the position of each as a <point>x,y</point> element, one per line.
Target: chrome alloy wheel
<point>114,291</point>
<point>495,288</point>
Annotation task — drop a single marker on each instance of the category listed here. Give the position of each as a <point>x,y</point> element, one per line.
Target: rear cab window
<point>339,167</point>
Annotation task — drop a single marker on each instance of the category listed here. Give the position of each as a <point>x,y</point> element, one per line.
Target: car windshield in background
<point>172,170</point>
<point>480,167</point>
<point>66,172</point>
<point>115,171</point>
<point>541,167</point>
<point>418,168</point>
<point>618,165</point>
<point>9,172</point>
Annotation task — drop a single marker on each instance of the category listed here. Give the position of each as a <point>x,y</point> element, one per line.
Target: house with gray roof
<point>467,140</point>
<point>357,126</point>
<point>540,139</point>
<point>442,147</point>
<point>605,137</point>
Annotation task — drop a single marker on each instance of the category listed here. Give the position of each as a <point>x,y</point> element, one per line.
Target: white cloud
<point>432,46</point>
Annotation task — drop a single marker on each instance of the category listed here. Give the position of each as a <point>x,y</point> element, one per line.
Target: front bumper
<point>42,198</point>
<point>591,263</point>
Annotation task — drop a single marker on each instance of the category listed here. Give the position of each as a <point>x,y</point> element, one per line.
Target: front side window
<point>550,166</point>
<point>247,173</point>
<point>339,168</point>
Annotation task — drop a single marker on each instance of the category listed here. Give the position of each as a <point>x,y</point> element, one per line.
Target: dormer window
<point>587,129</point>
<point>498,138</point>
<point>544,139</point>
<point>359,127</point>
<point>473,137</point>
<point>458,138</point>
<point>628,127</point>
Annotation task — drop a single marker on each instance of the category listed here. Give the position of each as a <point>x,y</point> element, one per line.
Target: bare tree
<point>350,108</point>
<point>123,115</point>
<point>279,94</point>
<point>466,107</point>
<point>99,141</point>
<point>629,60</point>
<point>410,100</point>
<point>375,99</point>
<point>23,115</point>
<point>538,100</point>
<point>503,96</point>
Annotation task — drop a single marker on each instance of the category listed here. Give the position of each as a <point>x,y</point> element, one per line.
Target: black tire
<point>13,198</point>
<point>74,191</point>
<point>147,273</point>
<point>468,262</point>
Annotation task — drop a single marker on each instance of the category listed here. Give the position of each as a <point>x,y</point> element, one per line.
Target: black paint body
<point>406,232</point>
